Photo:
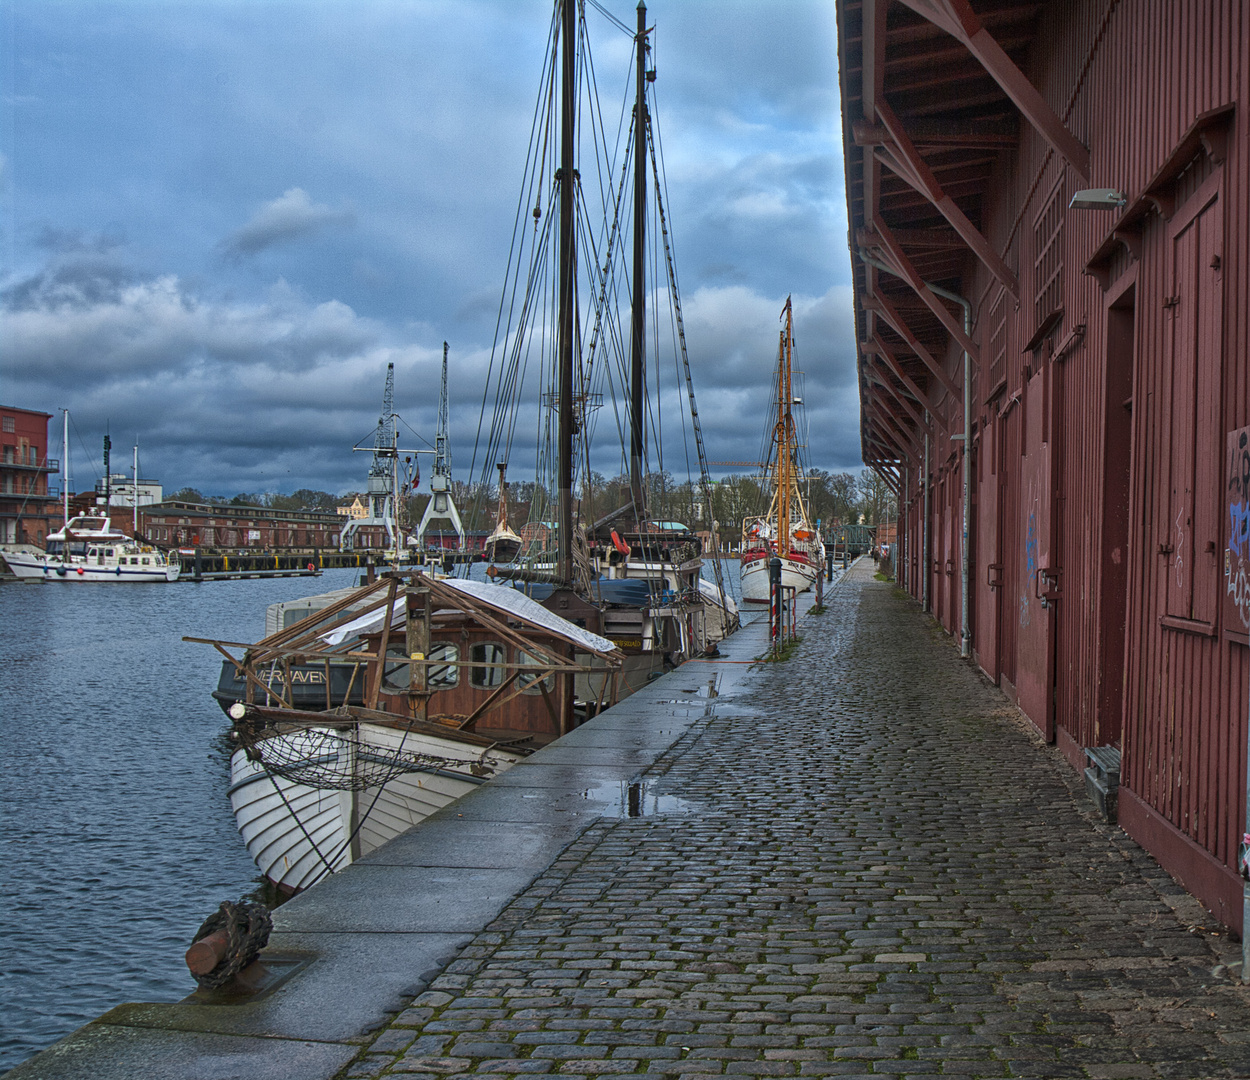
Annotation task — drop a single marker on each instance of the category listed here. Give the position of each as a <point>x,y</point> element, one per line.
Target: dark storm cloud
<point>259,370</point>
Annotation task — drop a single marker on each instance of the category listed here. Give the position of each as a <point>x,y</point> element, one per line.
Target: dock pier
<point>859,861</point>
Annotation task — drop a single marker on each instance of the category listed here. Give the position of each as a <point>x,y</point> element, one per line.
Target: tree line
<point>833,498</point>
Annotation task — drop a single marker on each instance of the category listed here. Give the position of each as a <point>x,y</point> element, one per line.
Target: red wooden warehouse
<point>1050,235</point>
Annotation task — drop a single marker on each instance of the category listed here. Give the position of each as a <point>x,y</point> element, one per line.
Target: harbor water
<point>119,838</point>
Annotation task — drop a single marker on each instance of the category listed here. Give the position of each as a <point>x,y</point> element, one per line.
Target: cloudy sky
<point>220,220</point>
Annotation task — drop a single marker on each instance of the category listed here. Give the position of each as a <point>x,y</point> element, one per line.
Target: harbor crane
<point>380,486</point>
<point>441,506</point>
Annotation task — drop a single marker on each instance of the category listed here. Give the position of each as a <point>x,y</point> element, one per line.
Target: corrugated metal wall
<point>1134,412</point>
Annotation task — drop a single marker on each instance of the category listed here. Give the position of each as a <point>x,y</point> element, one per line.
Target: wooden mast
<point>568,255</point>
<point>785,436</point>
<point>639,300</point>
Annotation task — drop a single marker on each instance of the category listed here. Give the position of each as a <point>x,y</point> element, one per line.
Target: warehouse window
<point>8,424</point>
<point>1048,259</point>
<point>996,370</point>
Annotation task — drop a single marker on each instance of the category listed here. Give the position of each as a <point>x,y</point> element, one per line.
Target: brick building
<point>25,499</point>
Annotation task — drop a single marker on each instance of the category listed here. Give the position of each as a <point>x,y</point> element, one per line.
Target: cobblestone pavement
<point>885,873</point>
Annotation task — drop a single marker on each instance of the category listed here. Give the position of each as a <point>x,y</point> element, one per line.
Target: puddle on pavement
<point>635,798</point>
<point>696,695</point>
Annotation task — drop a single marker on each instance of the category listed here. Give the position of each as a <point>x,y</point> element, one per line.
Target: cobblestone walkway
<point>884,873</point>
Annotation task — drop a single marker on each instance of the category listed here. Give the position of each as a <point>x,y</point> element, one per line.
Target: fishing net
<point>339,759</point>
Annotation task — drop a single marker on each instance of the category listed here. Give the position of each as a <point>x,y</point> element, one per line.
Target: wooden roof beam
<point>958,19</point>
<point>909,444</point>
<point>897,259</point>
<point>906,161</point>
<point>882,306</point>
<point>899,396</point>
<point>933,239</point>
<point>883,350</point>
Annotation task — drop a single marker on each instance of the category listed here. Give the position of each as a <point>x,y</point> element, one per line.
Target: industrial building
<point>1050,235</point>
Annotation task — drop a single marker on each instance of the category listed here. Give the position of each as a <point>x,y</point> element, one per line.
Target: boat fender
<point>117,570</point>
<point>227,941</point>
<point>619,544</point>
<point>61,571</point>
<point>80,570</point>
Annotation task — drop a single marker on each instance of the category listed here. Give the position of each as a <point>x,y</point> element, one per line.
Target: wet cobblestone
<point>887,874</point>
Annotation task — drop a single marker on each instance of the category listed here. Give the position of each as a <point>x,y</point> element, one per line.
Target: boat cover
<point>502,599</point>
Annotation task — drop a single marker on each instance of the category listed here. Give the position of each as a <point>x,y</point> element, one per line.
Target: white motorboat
<point>90,548</point>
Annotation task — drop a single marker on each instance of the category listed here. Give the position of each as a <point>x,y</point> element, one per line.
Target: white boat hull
<point>46,568</point>
<point>297,834</point>
<point>796,574</point>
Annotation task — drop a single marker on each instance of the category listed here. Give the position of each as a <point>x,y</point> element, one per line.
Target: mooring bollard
<point>774,603</point>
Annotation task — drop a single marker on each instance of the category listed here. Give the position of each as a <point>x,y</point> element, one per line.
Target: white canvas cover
<point>506,600</point>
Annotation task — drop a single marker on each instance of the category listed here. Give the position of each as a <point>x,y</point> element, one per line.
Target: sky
<point>220,220</point>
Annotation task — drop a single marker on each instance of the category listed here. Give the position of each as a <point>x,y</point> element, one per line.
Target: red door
<point>987,573</point>
<point>1035,633</point>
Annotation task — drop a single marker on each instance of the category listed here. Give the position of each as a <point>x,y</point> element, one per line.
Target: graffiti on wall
<point>1030,560</point>
<point>1237,556</point>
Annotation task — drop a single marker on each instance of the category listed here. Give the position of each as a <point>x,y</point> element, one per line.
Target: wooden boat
<point>423,690</point>
<point>784,532</point>
<point>637,578</point>
<point>503,545</point>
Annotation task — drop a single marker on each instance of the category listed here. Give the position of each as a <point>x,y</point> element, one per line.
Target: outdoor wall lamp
<point>1099,198</point>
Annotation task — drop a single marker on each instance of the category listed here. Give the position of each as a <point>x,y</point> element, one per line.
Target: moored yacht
<point>90,548</point>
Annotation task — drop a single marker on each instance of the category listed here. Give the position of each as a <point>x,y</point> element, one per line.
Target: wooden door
<point>1035,634</point>
<point>987,574</point>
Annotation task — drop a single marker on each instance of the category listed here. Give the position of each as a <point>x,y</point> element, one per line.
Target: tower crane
<point>380,486</point>
<point>441,506</point>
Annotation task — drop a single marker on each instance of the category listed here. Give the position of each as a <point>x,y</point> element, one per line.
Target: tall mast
<point>108,496</point>
<point>568,255</point>
<point>785,435</point>
<point>135,492</point>
<point>637,431</point>
<point>65,466</point>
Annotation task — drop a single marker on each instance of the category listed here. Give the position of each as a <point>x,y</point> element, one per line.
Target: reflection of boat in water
<point>89,548</point>
<point>387,702</point>
<point>784,532</point>
<point>633,577</point>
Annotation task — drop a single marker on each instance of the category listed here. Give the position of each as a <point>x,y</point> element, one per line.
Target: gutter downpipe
<point>965,641</point>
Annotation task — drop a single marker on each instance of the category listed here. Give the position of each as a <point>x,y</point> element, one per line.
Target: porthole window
<point>529,679</point>
<point>483,653</point>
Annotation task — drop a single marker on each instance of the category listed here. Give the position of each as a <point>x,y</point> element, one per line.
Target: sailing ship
<point>362,717</point>
<point>503,545</point>
<point>637,580</point>
<point>385,703</point>
<point>784,532</point>
<point>89,548</point>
